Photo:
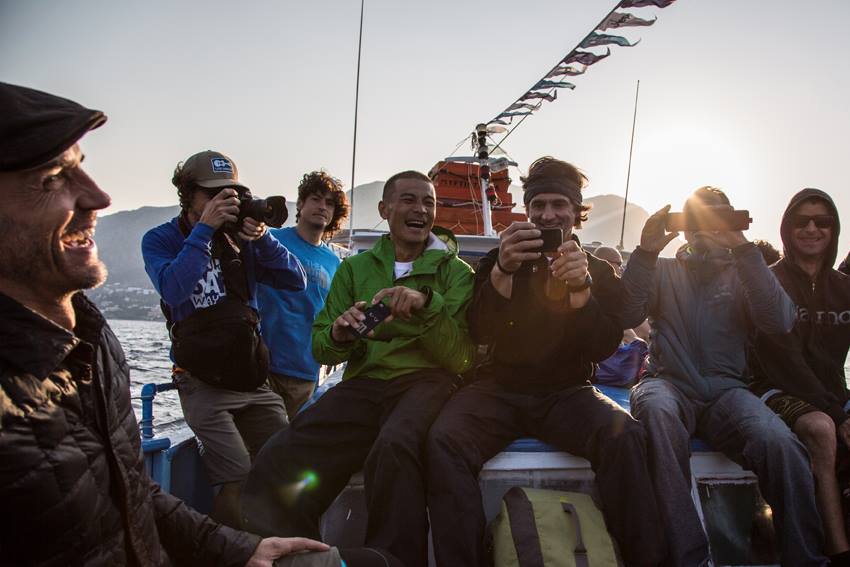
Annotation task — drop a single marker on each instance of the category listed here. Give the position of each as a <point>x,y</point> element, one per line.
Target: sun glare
<point>671,162</point>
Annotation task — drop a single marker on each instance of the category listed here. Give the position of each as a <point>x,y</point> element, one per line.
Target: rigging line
<point>459,144</point>
<point>354,144</point>
<point>511,131</point>
<point>629,170</point>
<point>578,45</point>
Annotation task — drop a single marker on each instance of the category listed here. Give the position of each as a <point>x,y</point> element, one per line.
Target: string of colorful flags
<point>577,61</point>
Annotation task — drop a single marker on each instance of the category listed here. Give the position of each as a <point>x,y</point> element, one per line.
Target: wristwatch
<point>588,281</point>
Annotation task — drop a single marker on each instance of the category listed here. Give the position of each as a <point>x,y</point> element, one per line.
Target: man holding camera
<point>801,375</point>
<point>547,314</point>
<point>205,264</point>
<point>702,305</point>
<point>286,317</point>
<point>399,375</point>
<point>72,476</point>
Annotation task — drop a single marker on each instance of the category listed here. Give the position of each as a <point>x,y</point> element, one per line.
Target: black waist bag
<point>222,346</point>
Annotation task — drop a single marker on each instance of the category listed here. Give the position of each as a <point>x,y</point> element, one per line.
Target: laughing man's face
<point>47,222</point>
<point>410,209</point>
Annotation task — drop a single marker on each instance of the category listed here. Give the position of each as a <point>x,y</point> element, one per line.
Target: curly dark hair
<point>548,167</point>
<point>321,183</point>
<point>185,187</point>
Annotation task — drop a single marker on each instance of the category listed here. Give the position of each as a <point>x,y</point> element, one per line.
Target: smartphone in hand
<point>552,239</point>
<point>721,219</point>
<point>374,315</point>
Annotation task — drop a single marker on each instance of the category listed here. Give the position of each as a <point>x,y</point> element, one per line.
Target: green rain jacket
<point>435,337</point>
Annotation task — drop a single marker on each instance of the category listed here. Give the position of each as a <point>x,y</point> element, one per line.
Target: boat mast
<point>354,144</point>
<point>484,177</point>
<point>629,170</point>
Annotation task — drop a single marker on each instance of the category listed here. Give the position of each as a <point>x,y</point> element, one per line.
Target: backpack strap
<point>523,528</point>
<point>580,551</point>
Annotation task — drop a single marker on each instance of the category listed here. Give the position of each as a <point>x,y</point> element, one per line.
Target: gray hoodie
<point>702,307</point>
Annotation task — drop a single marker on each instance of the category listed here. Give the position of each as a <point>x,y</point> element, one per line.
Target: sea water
<point>146,345</point>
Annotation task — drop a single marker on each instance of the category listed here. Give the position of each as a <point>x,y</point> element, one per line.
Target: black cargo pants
<point>377,425</point>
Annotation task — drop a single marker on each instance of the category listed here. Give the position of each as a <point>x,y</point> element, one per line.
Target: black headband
<point>565,188</point>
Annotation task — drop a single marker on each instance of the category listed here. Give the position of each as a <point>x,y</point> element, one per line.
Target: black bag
<point>221,344</point>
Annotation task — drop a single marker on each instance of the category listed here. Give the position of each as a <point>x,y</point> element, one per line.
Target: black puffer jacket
<point>72,481</point>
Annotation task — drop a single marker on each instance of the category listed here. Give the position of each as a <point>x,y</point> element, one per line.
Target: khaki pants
<point>230,426</point>
<point>294,391</point>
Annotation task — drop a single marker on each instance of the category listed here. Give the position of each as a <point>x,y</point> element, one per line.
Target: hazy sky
<point>749,96</point>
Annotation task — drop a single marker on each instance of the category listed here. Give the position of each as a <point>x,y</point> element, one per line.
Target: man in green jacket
<point>396,381</point>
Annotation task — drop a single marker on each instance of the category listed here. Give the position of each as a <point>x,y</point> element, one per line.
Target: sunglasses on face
<point>821,221</point>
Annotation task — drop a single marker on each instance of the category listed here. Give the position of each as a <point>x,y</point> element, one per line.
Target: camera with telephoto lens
<point>271,210</point>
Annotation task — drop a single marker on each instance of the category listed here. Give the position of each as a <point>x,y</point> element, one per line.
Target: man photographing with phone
<point>703,305</point>
<point>397,379</point>
<point>547,314</point>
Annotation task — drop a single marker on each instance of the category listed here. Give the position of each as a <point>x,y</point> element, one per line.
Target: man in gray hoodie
<point>702,305</point>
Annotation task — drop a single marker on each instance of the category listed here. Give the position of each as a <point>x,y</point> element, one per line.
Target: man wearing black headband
<point>801,376</point>
<point>546,321</point>
<point>72,476</point>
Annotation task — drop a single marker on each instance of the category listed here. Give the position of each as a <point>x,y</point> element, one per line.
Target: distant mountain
<point>129,294</point>
<point>605,222</point>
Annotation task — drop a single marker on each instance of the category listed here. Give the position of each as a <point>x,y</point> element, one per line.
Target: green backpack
<point>546,528</point>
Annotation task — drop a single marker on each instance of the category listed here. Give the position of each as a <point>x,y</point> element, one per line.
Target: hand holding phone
<point>343,327</point>
<point>654,237</point>
<point>372,317</point>
<point>517,244</point>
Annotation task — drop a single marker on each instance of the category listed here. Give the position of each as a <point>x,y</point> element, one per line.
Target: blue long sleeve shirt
<point>187,277</point>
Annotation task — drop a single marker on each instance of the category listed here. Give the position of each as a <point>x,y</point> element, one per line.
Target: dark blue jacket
<point>187,277</point>
<point>703,311</point>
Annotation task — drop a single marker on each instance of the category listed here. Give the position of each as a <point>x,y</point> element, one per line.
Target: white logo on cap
<point>221,165</point>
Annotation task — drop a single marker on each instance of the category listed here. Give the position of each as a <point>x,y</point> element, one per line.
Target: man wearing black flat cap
<point>72,479</point>
<point>546,321</point>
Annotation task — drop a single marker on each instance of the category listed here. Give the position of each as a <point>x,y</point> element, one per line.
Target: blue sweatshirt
<point>187,277</point>
<point>287,316</point>
<point>703,309</point>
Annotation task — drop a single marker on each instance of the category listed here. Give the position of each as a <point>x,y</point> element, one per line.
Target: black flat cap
<point>35,126</point>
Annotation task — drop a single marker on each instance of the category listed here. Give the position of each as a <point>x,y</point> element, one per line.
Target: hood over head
<point>785,228</point>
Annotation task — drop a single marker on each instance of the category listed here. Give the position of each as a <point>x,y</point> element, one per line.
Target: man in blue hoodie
<point>702,305</point>
<point>205,266</point>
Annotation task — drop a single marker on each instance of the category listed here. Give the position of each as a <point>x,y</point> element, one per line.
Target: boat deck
<point>726,496</point>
